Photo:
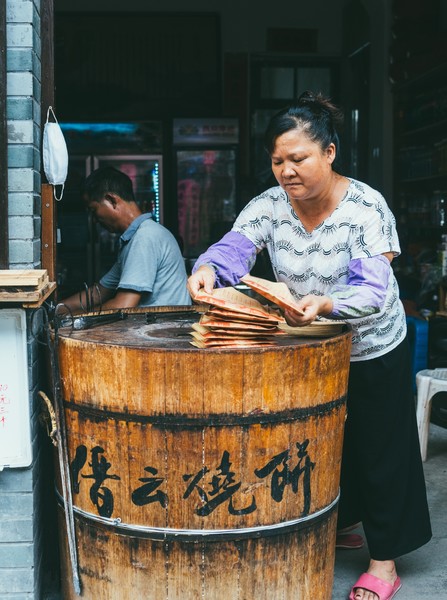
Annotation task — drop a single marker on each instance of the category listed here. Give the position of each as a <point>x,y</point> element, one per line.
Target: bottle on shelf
<point>438,208</point>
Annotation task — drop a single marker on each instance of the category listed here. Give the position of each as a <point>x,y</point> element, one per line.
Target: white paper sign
<point>15,431</point>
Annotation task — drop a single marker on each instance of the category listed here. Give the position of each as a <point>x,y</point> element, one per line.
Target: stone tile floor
<point>423,572</point>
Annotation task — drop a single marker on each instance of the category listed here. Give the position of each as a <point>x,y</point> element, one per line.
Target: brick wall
<point>16,534</point>
<point>24,492</point>
<point>23,118</point>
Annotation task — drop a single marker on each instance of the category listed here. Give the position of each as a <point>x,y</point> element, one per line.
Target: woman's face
<point>300,167</point>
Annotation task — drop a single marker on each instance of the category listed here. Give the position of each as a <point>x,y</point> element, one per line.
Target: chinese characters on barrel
<point>142,495</point>
<point>214,487</point>
<point>100,495</point>
<point>281,477</point>
<point>222,486</point>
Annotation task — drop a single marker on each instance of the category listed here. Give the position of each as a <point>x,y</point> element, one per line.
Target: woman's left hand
<point>311,306</point>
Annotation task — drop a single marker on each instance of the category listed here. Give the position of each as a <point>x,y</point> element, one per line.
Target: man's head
<point>108,195</point>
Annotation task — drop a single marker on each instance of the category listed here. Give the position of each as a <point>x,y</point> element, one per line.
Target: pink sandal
<point>383,589</point>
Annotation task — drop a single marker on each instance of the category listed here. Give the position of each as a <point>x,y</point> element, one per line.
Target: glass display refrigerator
<point>85,250</point>
<point>206,165</point>
<point>74,249</point>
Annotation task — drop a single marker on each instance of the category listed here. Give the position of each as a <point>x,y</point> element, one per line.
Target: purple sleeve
<point>365,291</point>
<point>232,258</point>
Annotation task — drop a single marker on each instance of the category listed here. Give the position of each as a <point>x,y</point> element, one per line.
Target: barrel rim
<point>275,349</point>
<point>204,535</point>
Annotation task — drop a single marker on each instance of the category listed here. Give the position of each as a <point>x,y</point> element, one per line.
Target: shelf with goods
<point>420,139</point>
<point>420,186</point>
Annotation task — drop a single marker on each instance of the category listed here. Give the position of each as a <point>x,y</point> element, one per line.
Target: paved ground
<point>423,572</point>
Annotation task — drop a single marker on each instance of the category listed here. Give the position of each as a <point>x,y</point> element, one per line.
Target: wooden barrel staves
<point>201,473</point>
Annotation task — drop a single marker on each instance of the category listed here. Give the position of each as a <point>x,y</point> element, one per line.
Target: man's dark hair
<point>108,180</point>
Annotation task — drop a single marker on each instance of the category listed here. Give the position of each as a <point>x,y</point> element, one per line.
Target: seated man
<point>149,270</point>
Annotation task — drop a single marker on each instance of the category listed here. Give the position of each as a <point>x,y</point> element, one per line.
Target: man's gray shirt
<point>150,262</point>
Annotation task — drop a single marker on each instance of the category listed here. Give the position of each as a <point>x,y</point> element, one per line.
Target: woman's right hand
<point>205,278</point>
<point>311,306</point>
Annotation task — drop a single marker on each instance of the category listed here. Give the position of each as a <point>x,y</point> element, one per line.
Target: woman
<point>331,239</point>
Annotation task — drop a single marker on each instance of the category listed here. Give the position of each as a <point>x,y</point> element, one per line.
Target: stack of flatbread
<point>234,320</point>
<point>275,291</point>
<point>279,293</point>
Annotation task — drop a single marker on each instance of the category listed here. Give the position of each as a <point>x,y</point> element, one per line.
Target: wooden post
<point>48,241</point>
<point>48,231</point>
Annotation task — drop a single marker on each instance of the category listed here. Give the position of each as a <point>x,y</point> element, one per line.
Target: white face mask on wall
<point>55,154</point>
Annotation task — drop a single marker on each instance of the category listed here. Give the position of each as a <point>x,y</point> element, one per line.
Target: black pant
<point>382,479</point>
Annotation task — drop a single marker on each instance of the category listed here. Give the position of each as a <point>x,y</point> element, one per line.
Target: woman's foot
<point>349,541</point>
<point>382,569</point>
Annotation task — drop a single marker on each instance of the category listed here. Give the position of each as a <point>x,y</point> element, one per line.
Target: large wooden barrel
<point>201,473</point>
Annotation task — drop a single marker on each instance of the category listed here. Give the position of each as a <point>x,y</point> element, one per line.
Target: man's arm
<point>123,299</point>
<point>97,295</point>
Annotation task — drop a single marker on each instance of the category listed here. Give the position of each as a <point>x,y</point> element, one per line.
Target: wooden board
<point>29,299</point>
<point>23,277</point>
<point>43,295</point>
